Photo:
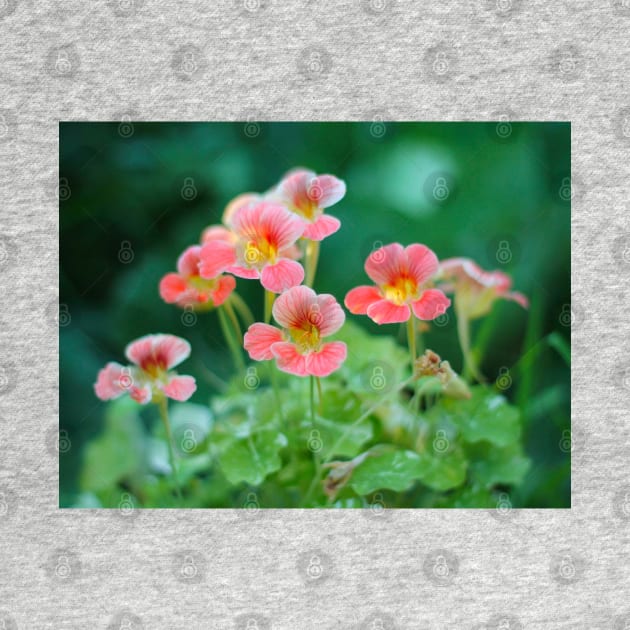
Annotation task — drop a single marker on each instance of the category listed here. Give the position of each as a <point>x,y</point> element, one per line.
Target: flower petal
<point>293,188</point>
<point>282,276</point>
<point>172,349</point>
<point>188,262</point>
<point>385,264</point>
<point>141,395</point>
<point>241,201</point>
<point>110,382</point>
<point>517,297</point>
<point>223,290</point>
<point>422,262</point>
<point>289,359</point>
<point>141,350</point>
<point>244,272</point>
<point>386,312</point>
<point>180,388</point>
<point>358,299</point>
<point>215,258</point>
<point>217,233</point>
<point>328,359</point>
<point>330,314</point>
<point>293,307</point>
<point>330,190</point>
<point>172,288</point>
<point>324,226</point>
<point>432,304</point>
<point>258,341</point>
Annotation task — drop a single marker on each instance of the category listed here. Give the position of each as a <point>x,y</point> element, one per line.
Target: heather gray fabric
<point>264,59</point>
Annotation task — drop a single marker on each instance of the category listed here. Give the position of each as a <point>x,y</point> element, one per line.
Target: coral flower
<point>401,275</point>
<point>307,194</point>
<point>149,377</point>
<point>475,289</point>
<point>255,247</point>
<point>188,289</point>
<point>306,319</point>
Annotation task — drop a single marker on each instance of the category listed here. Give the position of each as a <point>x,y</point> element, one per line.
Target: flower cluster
<point>274,238</point>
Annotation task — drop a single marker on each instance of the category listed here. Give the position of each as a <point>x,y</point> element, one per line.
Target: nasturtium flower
<point>188,289</point>
<point>476,290</point>
<point>307,195</point>
<point>150,376</point>
<point>403,277</point>
<point>255,247</point>
<point>299,347</point>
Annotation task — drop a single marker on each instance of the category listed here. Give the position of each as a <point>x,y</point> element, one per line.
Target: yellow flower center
<point>259,252</point>
<point>401,291</point>
<point>306,337</point>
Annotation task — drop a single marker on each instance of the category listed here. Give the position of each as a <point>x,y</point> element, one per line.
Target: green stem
<point>242,308</point>
<point>229,309</point>
<point>463,331</point>
<point>269,300</point>
<point>319,393</point>
<point>312,258</point>
<point>163,406</point>
<point>228,333</point>
<point>316,458</point>
<point>411,339</point>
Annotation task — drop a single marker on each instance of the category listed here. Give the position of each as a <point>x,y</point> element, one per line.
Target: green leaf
<point>486,416</point>
<point>444,471</point>
<point>394,470</point>
<point>250,460</point>
<point>501,466</point>
<point>118,452</point>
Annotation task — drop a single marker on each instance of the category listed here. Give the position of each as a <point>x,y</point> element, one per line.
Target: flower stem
<point>233,344</point>
<point>411,339</point>
<point>229,309</point>
<point>269,300</point>
<point>316,458</point>
<point>312,258</point>
<point>163,406</point>
<point>463,332</point>
<point>242,308</point>
<point>320,396</point>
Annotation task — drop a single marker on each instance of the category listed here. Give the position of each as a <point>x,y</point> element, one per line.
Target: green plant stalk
<point>163,406</point>
<point>411,339</point>
<point>312,258</point>
<point>229,309</point>
<point>463,332</point>
<point>229,334</point>
<point>316,457</point>
<point>269,300</point>
<point>242,308</point>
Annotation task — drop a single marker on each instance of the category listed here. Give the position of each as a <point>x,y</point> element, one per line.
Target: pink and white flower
<point>476,290</point>
<point>149,377</point>
<point>307,195</point>
<point>403,284</point>
<point>188,289</point>
<point>299,347</point>
<point>256,247</point>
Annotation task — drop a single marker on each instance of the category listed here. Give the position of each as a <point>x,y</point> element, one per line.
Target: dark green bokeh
<point>133,196</point>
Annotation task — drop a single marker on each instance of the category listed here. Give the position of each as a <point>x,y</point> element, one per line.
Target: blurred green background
<point>134,195</point>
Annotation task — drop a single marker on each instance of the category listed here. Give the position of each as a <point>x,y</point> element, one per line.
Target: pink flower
<point>306,319</point>
<point>187,288</point>
<point>475,289</point>
<point>256,247</point>
<point>149,377</point>
<point>402,275</point>
<point>307,194</point>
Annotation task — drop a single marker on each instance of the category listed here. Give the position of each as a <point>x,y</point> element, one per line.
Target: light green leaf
<point>501,466</point>
<point>118,452</point>
<point>443,471</point>
<point>393,470</point>
<point>486,416</point>
<point>251,459</point>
